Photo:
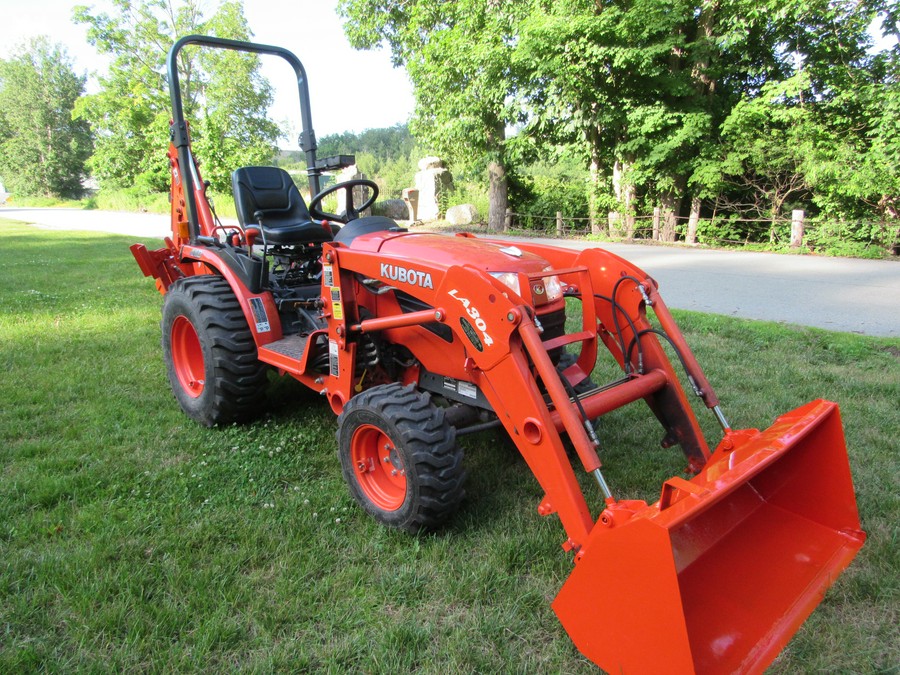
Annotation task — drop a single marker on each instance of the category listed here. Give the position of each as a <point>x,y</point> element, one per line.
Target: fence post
<point>559,225</point>
<point>657,212</point>
<point>507,222</point>
<point>797,218</point>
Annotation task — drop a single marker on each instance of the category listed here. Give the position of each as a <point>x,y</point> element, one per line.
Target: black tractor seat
<point>267,196</point>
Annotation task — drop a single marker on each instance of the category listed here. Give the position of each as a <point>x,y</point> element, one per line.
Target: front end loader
<point>415,339</point>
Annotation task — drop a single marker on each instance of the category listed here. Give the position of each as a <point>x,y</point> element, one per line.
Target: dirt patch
<point>893,351</point>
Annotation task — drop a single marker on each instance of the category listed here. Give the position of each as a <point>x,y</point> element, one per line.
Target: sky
<point>350,90</point>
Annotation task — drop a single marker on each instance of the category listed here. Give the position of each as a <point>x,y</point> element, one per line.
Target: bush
<point>857,239</point>
<point>43,202</point>
<point>537,198</point>
<point>132,199</point>
<point>468,193</point>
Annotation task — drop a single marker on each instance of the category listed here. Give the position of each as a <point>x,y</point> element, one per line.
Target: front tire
<point>400,458</point>
<point>210,354</point>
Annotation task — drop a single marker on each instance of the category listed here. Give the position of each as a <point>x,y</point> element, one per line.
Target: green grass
<point>138,201</point>
<point>133,540</point>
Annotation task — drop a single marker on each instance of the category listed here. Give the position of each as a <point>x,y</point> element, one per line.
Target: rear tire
<point>400,458</point>
<point>210,354</point>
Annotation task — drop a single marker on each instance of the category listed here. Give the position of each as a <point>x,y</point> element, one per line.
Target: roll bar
<point>179,127</point>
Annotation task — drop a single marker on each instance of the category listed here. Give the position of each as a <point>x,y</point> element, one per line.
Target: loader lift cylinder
<point>586,450</point>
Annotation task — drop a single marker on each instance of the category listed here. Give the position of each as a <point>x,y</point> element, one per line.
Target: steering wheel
<point>352,212</point>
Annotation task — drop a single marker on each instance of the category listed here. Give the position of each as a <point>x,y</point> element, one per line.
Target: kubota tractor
<point>416,338</point>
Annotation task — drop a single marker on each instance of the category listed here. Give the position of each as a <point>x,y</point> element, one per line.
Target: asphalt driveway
<point>840,294</point>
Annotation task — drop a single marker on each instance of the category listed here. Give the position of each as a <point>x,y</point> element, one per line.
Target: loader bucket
<point>719,574</point>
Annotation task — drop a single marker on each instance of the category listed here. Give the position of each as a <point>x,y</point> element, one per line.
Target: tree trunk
<point>693,221</point>
<point>594,188</point>
<point>498,188</point>
<point>498,196</point>
<point>614,216</point>
<point>671,205</point>
<point>628,193</point>
<point>706,24</point>
<point>773,219</point>
<point>624,191</point>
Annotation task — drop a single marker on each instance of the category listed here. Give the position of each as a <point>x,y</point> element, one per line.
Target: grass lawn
<point>133,540</point>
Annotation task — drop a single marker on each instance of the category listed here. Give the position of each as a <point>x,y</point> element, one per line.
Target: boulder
<point>462,214</point>
<point>391,208</point>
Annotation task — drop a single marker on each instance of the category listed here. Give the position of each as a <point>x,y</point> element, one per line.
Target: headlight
<point>510,280</point>
<point>543,289</point>
<point>553,286</point>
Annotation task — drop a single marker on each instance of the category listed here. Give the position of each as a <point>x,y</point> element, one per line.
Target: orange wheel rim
<point>378,468</point>
<point>187,357</point>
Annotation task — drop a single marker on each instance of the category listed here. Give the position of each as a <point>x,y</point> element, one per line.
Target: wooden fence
<point>796,232</point>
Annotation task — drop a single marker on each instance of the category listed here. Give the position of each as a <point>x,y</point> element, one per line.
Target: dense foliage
<point>725,110</point>
<point>387,156</point>
<point>42,149</point>
<point>225,98</point>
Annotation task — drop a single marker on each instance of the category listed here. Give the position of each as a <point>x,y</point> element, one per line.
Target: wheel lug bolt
<point>394,472</point>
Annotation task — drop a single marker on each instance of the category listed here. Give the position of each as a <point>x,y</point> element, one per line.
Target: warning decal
<point>259,315</point>
<point>333,356</point>
<point>337,309</point>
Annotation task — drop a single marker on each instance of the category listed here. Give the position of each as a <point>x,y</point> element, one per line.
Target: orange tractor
<point>414,339</point>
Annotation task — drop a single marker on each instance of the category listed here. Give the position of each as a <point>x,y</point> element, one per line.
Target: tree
<point>648,84</point>
<point>42,149</point>
<point>855,166</point>
<point>602,73</point>
<point>225,97</point>
<point>457,55</point>
<point>811,130</point>
<point>767,141</point>
<point>234,129</point>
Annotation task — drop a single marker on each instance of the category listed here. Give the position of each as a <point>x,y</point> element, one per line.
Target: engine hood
<point>442,249</point>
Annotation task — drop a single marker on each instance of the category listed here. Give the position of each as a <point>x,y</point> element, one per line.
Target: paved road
<point>859,296</point>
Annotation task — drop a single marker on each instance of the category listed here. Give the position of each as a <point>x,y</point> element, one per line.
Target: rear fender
<point>259,308</point>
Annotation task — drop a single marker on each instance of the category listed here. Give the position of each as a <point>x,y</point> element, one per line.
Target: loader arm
<point>748,520</point>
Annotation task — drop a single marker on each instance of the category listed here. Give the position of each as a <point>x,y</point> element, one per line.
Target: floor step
<point>286,353</point>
